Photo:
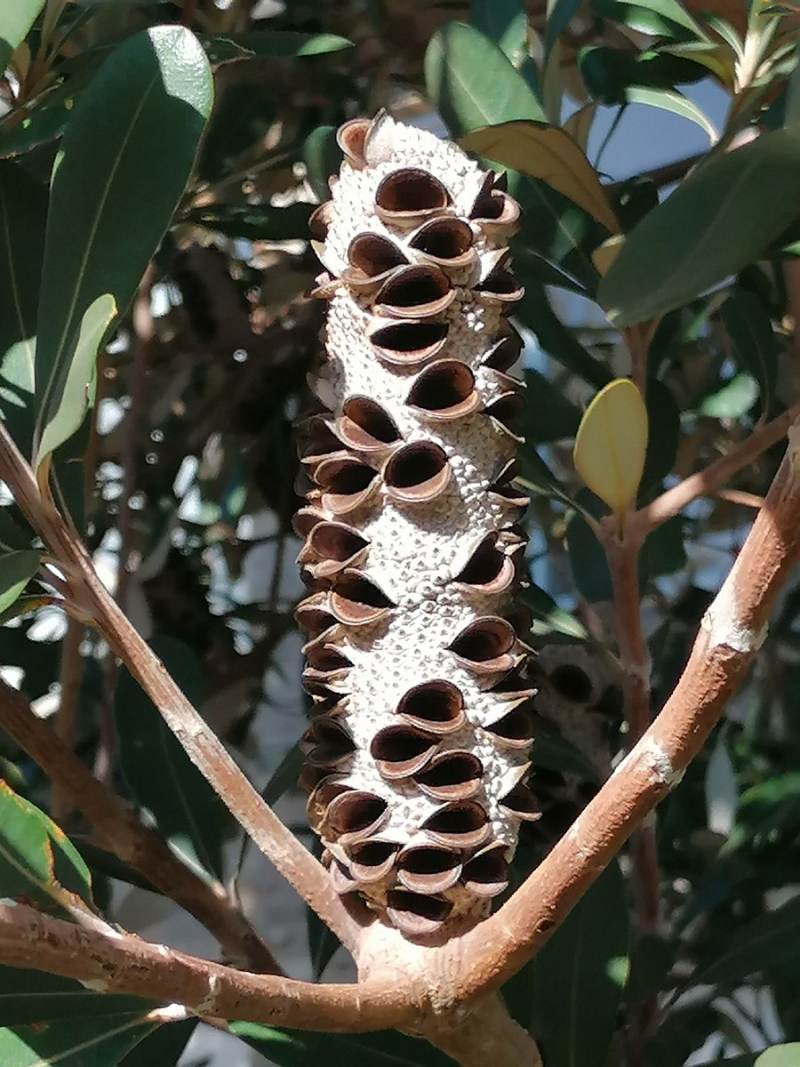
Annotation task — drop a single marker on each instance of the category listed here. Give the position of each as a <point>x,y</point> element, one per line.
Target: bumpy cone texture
<point>418,750</point>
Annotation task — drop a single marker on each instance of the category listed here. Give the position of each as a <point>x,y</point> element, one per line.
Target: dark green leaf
<point>558,19</point>
<point>162,1048</point>
<point>268,44</point>
<point>38,862</point>
<point>322,943</point>
<point>383,1048</point>
<point>323,157</point>
<point>549,416</point>
<point>548,617</point>
<point>537,476</point>
<point>534,311</point>
<point>586,555</point>
<point>188,812</point>
<point>749,327</point>
<point>505,23</point>
<point>572,989</point>
<point>611,73</point>
<point>256,222</point>
<point>28,996</point>
<point>16,19</point>
<point>719,219</point>
<point>767,940</point>
<point>553,751</point>
<point>136,128</point>
<point>23,215</point>
<point>16,569</point>
<point>285,775</point>
<point>472,83</point>
<point>664,420</point>
<point>664,551</point>
<point>103,862</point>
<point>658,18</point>
<point>775,1056</point>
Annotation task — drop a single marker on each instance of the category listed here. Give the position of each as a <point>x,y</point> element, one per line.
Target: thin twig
<point>121,832</point>
<point>707,481</point>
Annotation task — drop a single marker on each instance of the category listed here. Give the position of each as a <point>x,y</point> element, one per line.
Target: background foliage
<point>158,166</point>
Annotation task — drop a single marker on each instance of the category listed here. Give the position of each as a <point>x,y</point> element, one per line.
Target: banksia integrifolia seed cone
<point>418,750</point>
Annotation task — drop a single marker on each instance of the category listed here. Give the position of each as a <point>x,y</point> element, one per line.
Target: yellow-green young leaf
<point>611,444</point>
<point>16,568</point>
<point>549,153</point>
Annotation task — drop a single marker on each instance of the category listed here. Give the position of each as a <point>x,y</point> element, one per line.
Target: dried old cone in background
<point>418,749</point>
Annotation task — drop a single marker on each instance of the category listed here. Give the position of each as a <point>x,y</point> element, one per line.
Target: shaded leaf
<point>548,617</point>
<point>611,74</point>
<point>323,157</point>
<point>572,989</point>
<point>545,152</point>
<point>749,328</point>
<point>136,127</point>
<point>471,83</point>
<point>775,1056</point>
<point>611,444</point>
<point>654,17</point>
<point>537,476</point>
<point>664,423</point>
<point>268,44</point>
<point>23,215</point>
<point>285,775</point>
<point>162,1048</point>
<point>162,778</point>
<point>16,569</point>
<point>38,862</point>
<point>549,416</point>
<point>257,222</point>
<point>495,19</point>
<point>588,560</point>
<point>767,940</point>
<point>720,218</point>
<point>535,312</point>
<point>558,19</point>
<point>28,996</point>
<point>381,1048</point>
<point>16,19</point>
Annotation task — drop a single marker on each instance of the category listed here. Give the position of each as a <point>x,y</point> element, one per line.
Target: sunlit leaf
<point>16,569</point>
<point>472,83</point>
<point>611,444</point>
<point>545,152</point>
<point>37,860</point>
<point>677,103</point>
<point>136,127</point>
<point>268,44</point>
<point>16,18</point>
<point>719,219</point>
<point>733,400</point>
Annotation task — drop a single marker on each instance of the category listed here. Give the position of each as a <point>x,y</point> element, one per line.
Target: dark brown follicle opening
<point>367,421</point>
<point>401,746</point>
<point>444,384</point>
<point>410,191</point>
<point>501,284</point>
<point>355,811</point>
<point>344,477</point>
<point>373,254</point>
<point>451,770</point>
<point>313,616</point>
<point>437,703</point>
<point>324,658</point>
<point>484,639</point>
<point>505,353</point>
<point>443,238</point>
<point>373,853</point>
<point>485,564</point>
<point>410,342</point>
<point>332,743</point>
<point>522,802</point>
<point>487,874</point>
<point>507,409</point>
<point>426,860</point>
<point>356,600</point>
<point>415,464</point>
<point>415,913</point>
<point>414,287</point>
<point>516,727</point>
<point>572,683</point>
<point>462,821</point>
<point>351,137</point>
<point>335,541</point>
